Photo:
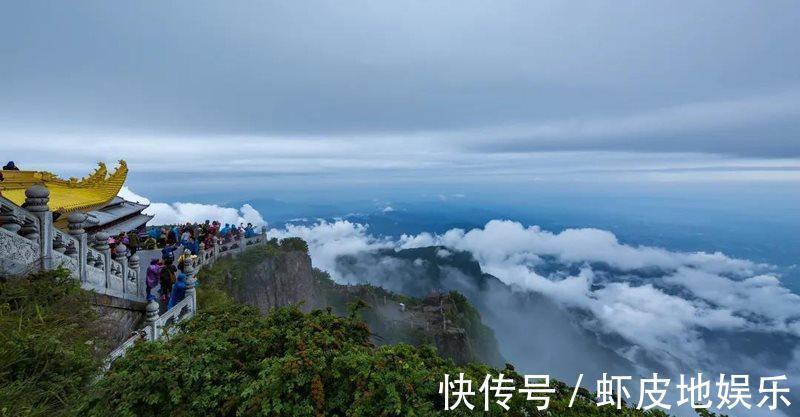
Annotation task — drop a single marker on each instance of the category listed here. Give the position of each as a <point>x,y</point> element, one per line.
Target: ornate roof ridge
<point>89,193</point>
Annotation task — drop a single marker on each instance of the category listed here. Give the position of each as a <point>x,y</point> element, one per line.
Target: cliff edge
<point>282,275</point>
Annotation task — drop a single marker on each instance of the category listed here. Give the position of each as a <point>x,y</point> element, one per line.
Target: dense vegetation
<point>50,344</point>
<point>232,361</point>
<point>229,361</point>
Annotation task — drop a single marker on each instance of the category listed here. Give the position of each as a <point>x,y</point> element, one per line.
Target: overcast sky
<point>406,91</point>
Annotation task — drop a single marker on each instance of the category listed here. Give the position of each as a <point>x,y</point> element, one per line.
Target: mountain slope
<point>282,275</point>
<point>532,331</point>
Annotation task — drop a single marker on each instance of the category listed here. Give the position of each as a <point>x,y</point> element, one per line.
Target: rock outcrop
<point>273,278</point>
<point>277,281</point>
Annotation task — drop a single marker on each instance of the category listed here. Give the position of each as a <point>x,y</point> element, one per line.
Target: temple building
<point>95,195</point>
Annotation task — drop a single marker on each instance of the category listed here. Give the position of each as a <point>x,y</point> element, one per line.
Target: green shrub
<point>229,361</point>
<point>49,344</point>
<point>234,362</point>
<point>294,244</point>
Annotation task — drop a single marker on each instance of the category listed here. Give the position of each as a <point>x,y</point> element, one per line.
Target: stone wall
<point>119,317</point>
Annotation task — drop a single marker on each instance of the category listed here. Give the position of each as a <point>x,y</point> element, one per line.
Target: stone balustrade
<point>29,242</point>
<point>20,248</point>
<point>163,326</point>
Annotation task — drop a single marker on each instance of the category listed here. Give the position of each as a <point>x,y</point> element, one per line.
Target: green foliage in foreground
<point>48,344</point>
<point>228,361</point>
<point>233,362</point>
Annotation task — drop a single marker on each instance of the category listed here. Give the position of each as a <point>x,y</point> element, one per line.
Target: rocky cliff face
<point>273,278</point>
<point>445,320</point>
<point>276,281</point>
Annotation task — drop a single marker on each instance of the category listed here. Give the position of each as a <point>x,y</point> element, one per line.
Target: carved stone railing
<point>143,334</point>
<point>20,249</point>
<point>163,326</point>
<point>29,242</point>
<point>157,327</point>
<point>65,252</point>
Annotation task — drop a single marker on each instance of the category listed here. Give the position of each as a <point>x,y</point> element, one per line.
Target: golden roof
<point>85,194</point>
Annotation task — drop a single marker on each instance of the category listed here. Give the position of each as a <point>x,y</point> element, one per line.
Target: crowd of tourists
<point>191,235</point>
<point>166,275</point>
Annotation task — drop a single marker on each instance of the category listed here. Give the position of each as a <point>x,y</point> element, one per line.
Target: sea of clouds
<point>684,312</point>
<point>685,291</point>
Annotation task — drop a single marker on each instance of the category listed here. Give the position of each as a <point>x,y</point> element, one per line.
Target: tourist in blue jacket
<point>167,253</point>
<point>178,291</point>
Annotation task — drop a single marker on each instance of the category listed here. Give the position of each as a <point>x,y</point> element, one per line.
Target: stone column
<point>191,292</point>
<point>201,254</point>
<point>36,199</point>
<point>151,317</point>
<point>101,245</point>
<point>120,255</point>
<point>133,266</point>
<point>76,230</point>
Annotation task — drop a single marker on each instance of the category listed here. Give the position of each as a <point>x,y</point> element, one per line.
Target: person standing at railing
<point>172,237</point>
<point>133,239</point>
<point>191,245</point>
<point>167,253</point>
<point>201,234</point>
<point>167,277</point>
<point>153,275</point>
<point>186,234</point>
<point>186,257</point>
<point>209,241</point>
<point>178,291</point>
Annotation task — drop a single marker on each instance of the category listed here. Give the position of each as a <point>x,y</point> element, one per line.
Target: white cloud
<point>502,242</point>
<point>660,301</point>
<point>129,195</point>
<point>173,213</point>
<point>443,253</point>
<point>327,241</point>
<point>714,291</point>
<point>416,241</point>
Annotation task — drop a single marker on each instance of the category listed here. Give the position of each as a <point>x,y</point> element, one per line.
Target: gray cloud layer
<point>477,76</point>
